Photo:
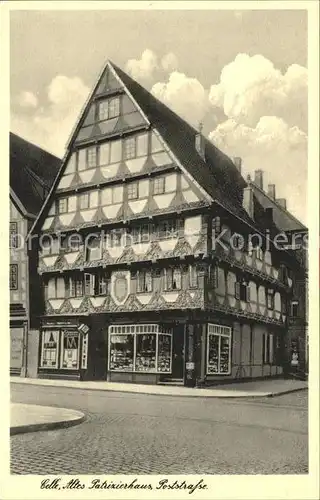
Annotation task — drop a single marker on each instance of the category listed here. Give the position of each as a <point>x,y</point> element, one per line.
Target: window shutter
<point>89,284</point>
<point>177,278</point>
<point>237,290</point>
<point>248,293</point>
<point>263,348</point>
<point>148,281</point>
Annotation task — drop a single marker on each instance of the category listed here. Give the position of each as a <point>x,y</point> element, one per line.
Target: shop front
<point>176,352</point>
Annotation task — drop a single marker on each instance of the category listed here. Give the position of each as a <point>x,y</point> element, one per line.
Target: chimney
<point>247,201</point>
<point>258,178</point>
<point>238,162</point>
<point>272,191</point>
<point>282,202</point>
<point>200,142</point>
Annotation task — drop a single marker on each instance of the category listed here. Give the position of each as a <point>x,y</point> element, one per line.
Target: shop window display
<point>70,350</point>
<point>218,350</point>
<point>140,348</point>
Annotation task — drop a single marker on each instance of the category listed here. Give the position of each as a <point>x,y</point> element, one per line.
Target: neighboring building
<point>32,171</point>
<point>135,286</point>
<point>296,342</point>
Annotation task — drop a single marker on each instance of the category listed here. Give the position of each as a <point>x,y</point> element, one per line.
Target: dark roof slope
<point>282,218</point>
<point>32,172</point>
<point>217,175</point>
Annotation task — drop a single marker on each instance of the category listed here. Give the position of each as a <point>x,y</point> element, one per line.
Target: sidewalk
<point>259,388</point>
<point>31,418</point>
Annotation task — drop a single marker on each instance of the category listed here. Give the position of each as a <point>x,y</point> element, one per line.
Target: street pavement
<point>153,434</point>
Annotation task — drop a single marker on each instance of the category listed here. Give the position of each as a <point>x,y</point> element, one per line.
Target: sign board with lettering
<point>16,347</point>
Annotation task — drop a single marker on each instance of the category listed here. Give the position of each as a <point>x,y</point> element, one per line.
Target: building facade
<point>32,171</point>
<point>143,276</point>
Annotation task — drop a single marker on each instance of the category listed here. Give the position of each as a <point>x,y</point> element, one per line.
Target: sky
<point>242,73</point>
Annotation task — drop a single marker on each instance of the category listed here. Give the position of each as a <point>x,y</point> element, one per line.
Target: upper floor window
<point>144,281</point>
<point>112,196</point>
<point>84,201</point>
<point>242,291</point>
<point>13,235</point>
<point>159,185</point>
<point>172,279</point>
<point>94,249</point>
<point>76,286</point>
<point>213,276</point>
<point>168,229</point>
<point>62,205</point>
<point>270,299</point>
<point>193,277</point>
<point>91,157</point>
<point>135,146</point>
<point>109,108</point>
<point>13,276</point>
<point>72,242</point>
<point>129,148</point>
<point>55,288</point>
<point>294,308</point>
<point>140,234</point>
<point>132,191</point>
<point>114,238</point>
<point>259,253</point>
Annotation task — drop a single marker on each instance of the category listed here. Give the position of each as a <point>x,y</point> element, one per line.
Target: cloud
<point>275,147</point>
<point>49,126</point>
<point>251,87</point>
<point>27,99</point>
<point>170,62</point>
<point>143,68</point>
<point>185,95</point>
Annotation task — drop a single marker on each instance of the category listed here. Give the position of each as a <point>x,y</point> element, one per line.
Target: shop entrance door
<point>178,353</point>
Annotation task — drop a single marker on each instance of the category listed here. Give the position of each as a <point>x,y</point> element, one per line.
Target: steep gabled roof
<point>282,218</point>
<point>217,175</point>
<point>32,172</point>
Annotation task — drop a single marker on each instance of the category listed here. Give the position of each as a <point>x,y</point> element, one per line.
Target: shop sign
<point>16,347</point>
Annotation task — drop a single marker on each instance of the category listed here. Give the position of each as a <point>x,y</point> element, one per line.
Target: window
<point>172,279</point>
<point>112,196</point>
<point>218,350</point>
<point>159,185</point>
<point>267,349</point>
<point>101,284</point>
<point>242,291</point>
<point>130,148</point>
<point>70,350</point>
<point>140,348</point>
<point>62,206</point>
<point>84,201</point>
<point>168,229</point>
<point>13,235</point>
<point>72,242</point>
<point>140,234</point>
<point>270,299</point>
<point>94,248</point>
<point>144,281</point>
<point>114,238</point>
<point>132,191</point>
<point>76,286</point>
<point>193,277</point>
<point>91,157</point>
<point>55,288</point>
<point>283,274</point>
<point>89,284</point>
<point>294,309</point>
<point>108,109</point>
<point>13,276</point>
<point>49,351</point>
<point>213,276</point>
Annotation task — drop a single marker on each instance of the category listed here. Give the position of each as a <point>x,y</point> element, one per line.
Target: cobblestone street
<point>141,434</point>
